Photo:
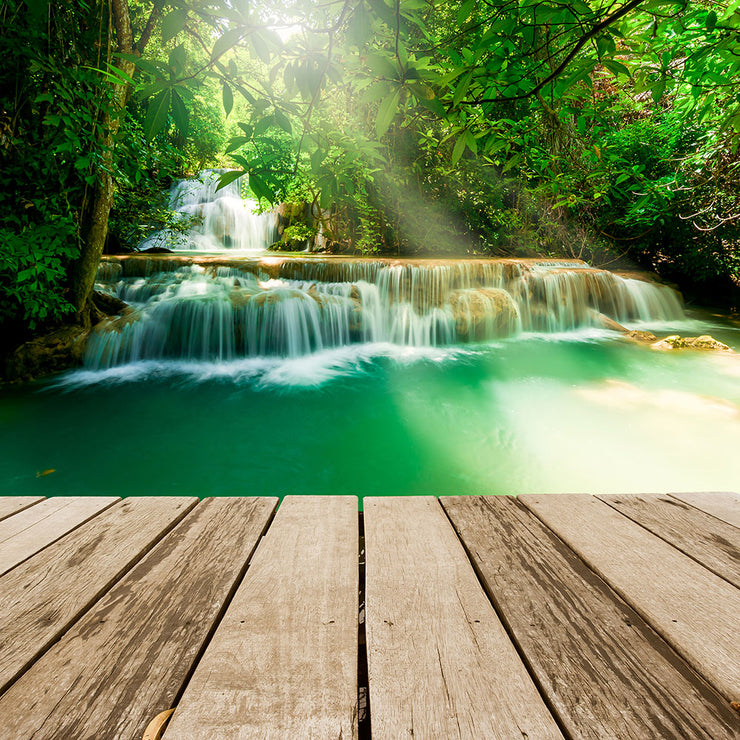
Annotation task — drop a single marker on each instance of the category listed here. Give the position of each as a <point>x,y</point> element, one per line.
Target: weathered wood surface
<point>33,529</point>
<point>10,505</point>
<point>440,663</point>
<point>580,639</point>
<point>710,541</point>
<point>127,659</point>
<point>695,610</point>
<point>42,597</point>
<point>722,505</point>
<point>283,661</point>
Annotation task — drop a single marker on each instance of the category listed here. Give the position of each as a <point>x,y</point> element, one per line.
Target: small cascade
<point>219,310</point>
<point>222,219</point>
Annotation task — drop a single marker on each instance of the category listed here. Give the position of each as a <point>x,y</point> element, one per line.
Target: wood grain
<point>581,639</point>
<point>440,663</point>
<point>127,659</point>
<point>283,662</point>
<point>10,505</point>
<point>692,608</point>
<point>45,595</point>
<point>723,505</point>
<point>710,541</point>
<point>33,529</point>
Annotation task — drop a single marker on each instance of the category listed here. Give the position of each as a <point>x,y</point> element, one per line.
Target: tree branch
<point>597,29</point>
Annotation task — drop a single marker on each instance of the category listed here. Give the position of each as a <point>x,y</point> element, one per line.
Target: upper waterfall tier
<point>223,220</point>
<point>221,309</point>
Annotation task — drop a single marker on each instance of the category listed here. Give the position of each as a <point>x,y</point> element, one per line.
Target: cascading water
<point>228,309</point>
<point>223,220</point>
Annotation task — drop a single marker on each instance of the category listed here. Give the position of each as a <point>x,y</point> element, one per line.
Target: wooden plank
<point>283,661</point>
<point>10,505</point>
<point>45,595</point>
<point>713,543</point>
<point>440,664</point>
<point>127,659</point>
<point>692,608</point>
<point>603,669</point>
<point>723,505</point>
<point>33,529</point>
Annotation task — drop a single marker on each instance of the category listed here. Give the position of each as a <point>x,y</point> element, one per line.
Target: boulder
<point>108,304</point>
<point>704,342</point>
<point>53,352</point>
<point>485,313</point>
<point>116,323</point>
<point>641,337</point>
<point>291,245</point>
<point>154,250</point>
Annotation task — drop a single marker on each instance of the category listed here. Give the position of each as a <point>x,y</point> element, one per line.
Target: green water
<point>537,414</point>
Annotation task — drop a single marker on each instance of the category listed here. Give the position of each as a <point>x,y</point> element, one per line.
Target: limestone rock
<point>606,322</point>
<point>484,313</point>
<point>704,342</point>
<point>108,304</point>
<point>50,353</point>
<point>116,323</point>
<point>707,342</point>
<point>641,337</point>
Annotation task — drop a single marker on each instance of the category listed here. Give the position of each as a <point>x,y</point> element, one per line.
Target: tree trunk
<point>84,270</point>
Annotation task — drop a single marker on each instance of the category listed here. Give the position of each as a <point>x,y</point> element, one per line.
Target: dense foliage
<point>595,129</point>
<point>592,129</point>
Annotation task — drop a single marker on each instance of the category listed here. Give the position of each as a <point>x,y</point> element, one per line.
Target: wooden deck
<point>551,616</point>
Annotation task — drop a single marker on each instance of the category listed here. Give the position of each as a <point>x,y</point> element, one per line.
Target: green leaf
<point>177,59</point>
<point>153,68</point>
<point>149,90</point>
<point>173,23</point>
<point>462,87</point>
<point>381,66</point>
<point>512,163</point>
<point>464,13</point>
<point>179,113</point>
<point>316,159</point>
<point>263,124</point>
<point>156,115</point>
<point>260,188</point>
<point>615,67</point>
<point>283,121</point>
<point>657,90</point>
<point>711,20</point>
<point>382,11</point>
<point>37,9</point>
<point>260,47</point>
<point>459,147</point>
<point>325,198</point>
<point>228,99</point>
<point>605,44</point>
<point>359,26</point>
<point>433,105</point>
<point>247,95</point>
<point>235,143</point>
<point>229,177</point>
<point>229,39</point>
<point>375,92</point>
<point>386,112</point>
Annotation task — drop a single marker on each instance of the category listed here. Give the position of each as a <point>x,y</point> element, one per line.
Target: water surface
<point>578,412</point>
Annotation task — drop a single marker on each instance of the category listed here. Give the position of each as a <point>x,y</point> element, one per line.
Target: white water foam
<point>311,370</point>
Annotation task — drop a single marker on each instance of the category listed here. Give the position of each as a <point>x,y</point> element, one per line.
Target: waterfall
<point>222,219</point>
<point>221,309</point>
